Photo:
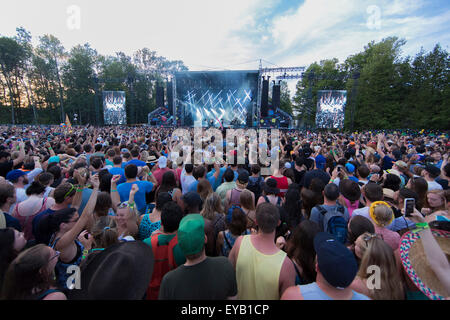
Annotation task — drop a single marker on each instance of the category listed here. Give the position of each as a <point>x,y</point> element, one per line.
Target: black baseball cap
<point>336,263</point>
<point>192,199</point>
<point>243,177</point>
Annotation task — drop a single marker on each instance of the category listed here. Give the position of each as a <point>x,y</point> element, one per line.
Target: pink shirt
<point>390,237</point>
<point>158,174</point>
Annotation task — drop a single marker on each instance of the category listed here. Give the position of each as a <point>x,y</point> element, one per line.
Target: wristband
<point>331,181</point>
<point>421,226</point>
<point>50,148</point>
<point>85,253</point>
<point>150,173</point>
<point>115,190</point>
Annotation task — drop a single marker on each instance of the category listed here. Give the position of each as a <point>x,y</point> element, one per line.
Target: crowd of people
<point>329,223</point>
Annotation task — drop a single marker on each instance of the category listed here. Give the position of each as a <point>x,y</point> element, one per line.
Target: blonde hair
<point>383,215</point>
<point>144,155</point>
<point>441,195</point>
<point>213,204</point>
<point>379,253</point>
<point>104,232</point>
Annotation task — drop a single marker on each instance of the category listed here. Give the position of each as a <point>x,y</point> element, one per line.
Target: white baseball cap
<point>162,162</point>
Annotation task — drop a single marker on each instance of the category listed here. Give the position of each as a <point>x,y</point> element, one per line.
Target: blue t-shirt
<point>194,184</point>
<point>85,195</point>
<point>353,178</point>
<point>115,171</point>
<point>137,163</point>
<point>218,181</point>
<point>144,188</point>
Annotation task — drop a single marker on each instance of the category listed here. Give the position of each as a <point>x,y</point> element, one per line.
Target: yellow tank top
<point>257,274</point>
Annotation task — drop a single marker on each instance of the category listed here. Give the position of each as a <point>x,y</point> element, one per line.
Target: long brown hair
<point>204,189</point>
<point>246,200</point>
<point>27,275</point>
<point>379,253</point>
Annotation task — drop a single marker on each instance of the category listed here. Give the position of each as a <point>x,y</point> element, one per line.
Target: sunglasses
<point>123,205</point>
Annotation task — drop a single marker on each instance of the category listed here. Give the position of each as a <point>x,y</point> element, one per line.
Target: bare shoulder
<point>56,296</point>
<point>292,293</point>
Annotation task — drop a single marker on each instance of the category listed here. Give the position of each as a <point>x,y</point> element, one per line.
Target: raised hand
<point>134,189</point>
<point>95,181</point>
<point>87,243</point>
<point>115,178</point>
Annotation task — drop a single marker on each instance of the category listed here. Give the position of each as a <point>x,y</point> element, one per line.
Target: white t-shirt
<point>21,195</point>
<point>433,185</point>
<point>186,181</point>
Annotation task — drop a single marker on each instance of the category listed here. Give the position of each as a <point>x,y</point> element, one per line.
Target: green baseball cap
<point>191,234</point>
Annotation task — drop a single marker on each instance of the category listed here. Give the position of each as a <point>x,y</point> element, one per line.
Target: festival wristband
<point>421,226</point>
<point>113,190</point>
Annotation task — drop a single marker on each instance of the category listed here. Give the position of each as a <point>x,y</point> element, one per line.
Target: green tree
<point>78,80</point>
<point>12,57</point>
<point>53,52</point>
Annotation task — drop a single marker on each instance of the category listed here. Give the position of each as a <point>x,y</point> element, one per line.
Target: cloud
<point>234,34</point>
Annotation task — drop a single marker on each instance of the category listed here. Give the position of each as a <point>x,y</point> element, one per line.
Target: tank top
<point>313,292</point>
<point>282,184</point>
<point>61,267</point>
<point>235,197</point>
<point>27,222</point>
<point>146,227</point>
<point>258,274</point>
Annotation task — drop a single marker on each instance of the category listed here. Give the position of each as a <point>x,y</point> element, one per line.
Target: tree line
<point>44,83</point>
<point>384,89</point>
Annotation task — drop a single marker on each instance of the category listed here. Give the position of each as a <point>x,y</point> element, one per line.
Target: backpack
<point>164,262</point>
<point>230,214</point>
<point>334,222</point>
<point>255,187</point>
<point>278,201</point>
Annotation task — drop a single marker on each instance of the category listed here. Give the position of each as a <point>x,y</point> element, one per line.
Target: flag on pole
<point>68,124</point>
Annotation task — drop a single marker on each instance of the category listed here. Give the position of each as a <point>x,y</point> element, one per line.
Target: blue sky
<point>234,34</point>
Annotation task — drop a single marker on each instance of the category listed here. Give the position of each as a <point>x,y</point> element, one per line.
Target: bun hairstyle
<point>105,233</point>
<point>35,188</point>
<point>50,224</point>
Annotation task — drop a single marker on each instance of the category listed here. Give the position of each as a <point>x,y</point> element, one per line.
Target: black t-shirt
<point>6,167</point>
<point>212,279</point>
<point>316,173</point>
<point>298,175</point>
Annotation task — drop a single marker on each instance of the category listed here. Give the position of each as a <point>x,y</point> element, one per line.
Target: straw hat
<point>416,265</point>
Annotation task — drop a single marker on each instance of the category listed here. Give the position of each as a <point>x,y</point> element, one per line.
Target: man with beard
<point>19,180</point>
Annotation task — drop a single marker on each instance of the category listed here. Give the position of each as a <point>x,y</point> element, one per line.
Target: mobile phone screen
<point>409,206</point>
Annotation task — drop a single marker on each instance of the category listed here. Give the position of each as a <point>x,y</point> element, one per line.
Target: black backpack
<point>255,187</point>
